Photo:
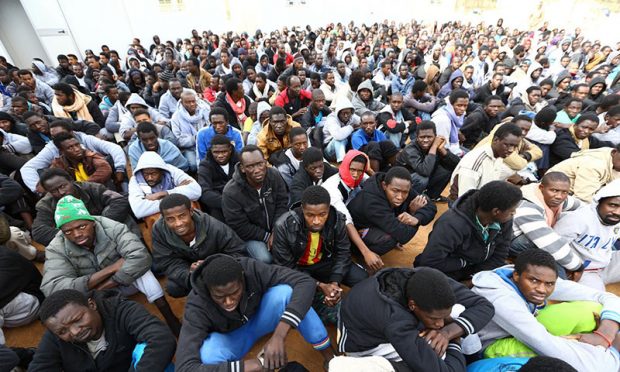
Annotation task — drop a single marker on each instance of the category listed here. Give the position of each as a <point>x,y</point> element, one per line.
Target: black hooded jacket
<point>212,179</point>
<point>126,324</point>
<point>203,316</point>
<point>371,208</point>
<point>564,146</point>
<point>302,180</point>
<point>250,214</point>
<point>17,274</point>
<point>375,312</point>
<point>456,246</point>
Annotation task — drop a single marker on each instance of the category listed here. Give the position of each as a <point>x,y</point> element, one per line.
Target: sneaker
<point>441,199</point>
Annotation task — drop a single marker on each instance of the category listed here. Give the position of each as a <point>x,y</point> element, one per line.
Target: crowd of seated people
<point>263,179</point>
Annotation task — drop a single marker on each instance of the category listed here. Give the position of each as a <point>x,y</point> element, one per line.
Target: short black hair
<point>64,87</point>
<point>456,94</point>
<point>587,116</point>
<point>488,100</point>
<point>608,101</point>
<point>219,111</point>
<point>58,300</point>
<point>419,86</point>
<point>545,117</point>
<point>66,124</point>
<point>221,270</point>
<point>571,100</point>
<point>276,110</point>
<point>615,110</point>
<point>62,137</point>
<point>546,364</point>
<point>28,114</point>
<point>533,88</point>
<point>315,195</point>
<point>141,111</point>
<point>430,289</point>
<point>507,129</point>
<point>296,131</point>
<point>220,139</point>
<point>24,72</point>
<point>311,155</point>
<point>174,200</point>
<point>232,85</point>
<point>249,148</point>
<point>50,173</point>
<point>498,194</point>
<point>535,257</point>
<point>194,61</point>
<point>426,125</point>
<point>554,177</point>
<point>397,172</point>
<point>146,127</point>
<point>521,117</point>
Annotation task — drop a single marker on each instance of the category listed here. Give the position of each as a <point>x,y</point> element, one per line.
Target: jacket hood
<point>392,284</point>
<point>135,99</point>
<point>599,80</point>
<point>561,76</point>
<point>343,103</point>
<point>457,73</point>
<point>198,283</point>
<point>610,190</point>
<point>533,67</point>
<point>466,205</point>
<point>345,173</point>
<point>366,84</point>
<point>150,159</point>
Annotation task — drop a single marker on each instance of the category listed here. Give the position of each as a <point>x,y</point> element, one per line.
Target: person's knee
<point>175,290</point>
<point>258,250</point>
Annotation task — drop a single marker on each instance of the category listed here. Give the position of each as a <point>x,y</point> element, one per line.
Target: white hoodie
<point>514,318</point>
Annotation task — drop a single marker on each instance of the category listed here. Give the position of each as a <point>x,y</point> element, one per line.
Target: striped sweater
<point>477,168</point>
<point>530,220</point>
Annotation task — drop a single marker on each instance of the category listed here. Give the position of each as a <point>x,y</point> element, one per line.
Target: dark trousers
<point>175,289</point>
<point>10,162</point>
<point>379,241</point>
<point>8,359</point>
<point>433,185</point>
<point>321,271</point>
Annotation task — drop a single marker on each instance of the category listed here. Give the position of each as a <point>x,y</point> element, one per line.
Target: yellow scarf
<point>583,144</point>
<point>79,106</point>
<point>80,173</point>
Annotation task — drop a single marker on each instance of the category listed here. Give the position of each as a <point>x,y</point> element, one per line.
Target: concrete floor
<point>297,348</point>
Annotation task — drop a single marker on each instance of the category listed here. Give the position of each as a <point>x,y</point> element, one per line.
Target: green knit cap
<point>70,209</point>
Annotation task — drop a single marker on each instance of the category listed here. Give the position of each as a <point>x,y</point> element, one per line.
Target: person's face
<point>152,176</point>
<point>612,121</point>
<point>584,129</point>
<point>534,96</point>
<point>5,125</point>
<point>58,187</point>
<point>38,124</point>
<point>468,73</point>
<point>227,296</point>
<point>237,69</point>
<point>318,61</point>
<point>396,102</point>
<point>356,170</point>
<point>344,115</point>
<point>315,170</point>
<point>221,153</point>
<point>28,80</point>
<point>299,145</point>
<point>457,83</point>
<point>278,124</point>
<point>544,89</point>
<point>76,323</point>
<point>425,139</point>
<point>80,232</point>
<point>72,149</point>
<point>295,87</point>
<point>72,60</point>
<point>506,146</point>
<point>460,106</point>
<point>581,92</point>
<point>493,107</point>
<point>536,283</point>
<point>179,220</point>
<point>555,192</point>
<point>396,191</point>
<point>149,141</point>
<point>19,107</point>
<point>563,85</point>
<point>176,89</point>
<point>189,103</point>
<point>365,94</point>
<point>341,68</point>
<point>103,59</point>
<point>596,89</point>
<point>483,55</point>
<point>434,319</point>
<point>525,126</point>
<point>220,126</point>
<point>573,109</point>
<point>386,69</point>
<point>330,79</point>
<point>368,125</point>
<point>564,61</point>
<point>142,118</point>
<point>252,165</point>
<point>251,75</point>
<point>403,71</point>
<point>609,210</point>
<point>318,101</point>
<point>315,216</point>
<point>496,81</point>
<point>64,63</point>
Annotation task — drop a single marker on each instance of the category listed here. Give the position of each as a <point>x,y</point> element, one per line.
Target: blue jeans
<point>190,155</point>
<point>337,149</point>
<point>258,251</point>
<point>233,346</point>
<point>395,138</point>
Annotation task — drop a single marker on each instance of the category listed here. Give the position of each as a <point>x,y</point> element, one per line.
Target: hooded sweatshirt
<point>588,171</point>
<point>127,121</point>
<point>591,241</point>
<point>171,178</point>
<point>513,317</point>
<point>334,128</point>
<point>203,316</point>
<point>185,127</point>
<point>448,125</point>
<point>361,106</point>
<point>531,220</point>
<point>446,89</point>
<point>342,187</point>
<point>528,81</point>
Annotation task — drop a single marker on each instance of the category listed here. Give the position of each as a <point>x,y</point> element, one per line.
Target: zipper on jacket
<point>261,200</point>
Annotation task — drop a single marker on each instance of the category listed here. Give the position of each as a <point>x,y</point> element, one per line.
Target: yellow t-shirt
<point>313,253</point>
<point>247,125</point>
<point>80,173</point>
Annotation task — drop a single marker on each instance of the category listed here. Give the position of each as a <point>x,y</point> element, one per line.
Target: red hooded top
<point>345,174</point>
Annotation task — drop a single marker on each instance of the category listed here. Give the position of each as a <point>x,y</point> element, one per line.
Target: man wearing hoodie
<point>449,119</point>
<point>532,77</point>
<point>411,317</point>
<point>117,335</point>
<point>153,179</point>
<point>363,100</point>
<point>233,303</point>
<point>191,115</point>
<point>338,128</point>
<point>128,122</point>
<point>148,140</point>
<point>592,232</point>
<point>481,121</point>
<point>253,200</point>
<point>214,172</point>
<point>589,170</point>
<point>184,237</point>
<point>388,212</point>
<point>538,213</point>
<point>475,234</point>
<point>524,321</point>
<point>454,83</point>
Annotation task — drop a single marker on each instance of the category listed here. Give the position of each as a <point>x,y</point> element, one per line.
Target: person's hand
<point>418,202</point>
<point>116,266</point>
<point>252,365</point>
<point>194,266</point>
<point>461,137</point>
<point>437,340</point>
<point>438,142</point>
<point>274,353</point>
<point>408,219</point>
<point>516,179</point>
<point>119,177</point>
<point>300,112</point>
<point>373,261</point>
<point>270,242</point>
<point>156,196</point>
<point>108,284</point>
<point>575,276</point>
<point>186,182</point>
<point>332,293</point>
<point>593,339</point>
